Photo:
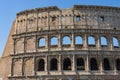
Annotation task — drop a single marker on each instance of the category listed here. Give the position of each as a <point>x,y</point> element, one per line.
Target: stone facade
<point>79,43</point>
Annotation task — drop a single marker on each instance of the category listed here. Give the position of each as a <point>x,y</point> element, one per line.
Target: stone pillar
<point>46,64</point>
<point>60,42</point>
<point>114,64</point>
<point>14,46</point>
<point>12,67</point>
<point>73,18</point>
<point>73,41</point>
<point>36,43</point>
<point>60,63</point>
<point>47,42</point>
<point>85,42</point>
<point>23,66</point>
<point>26,21</point>
<point>37,20</point>
<point>24,44</point>
<point>61,19</point>
<point>98,43</point>
<point>110,42</point>
<point>49,20</point>
<point>34,67</point>
<point>101,64</point>
<point>87,63</point>
<point>73,63</point>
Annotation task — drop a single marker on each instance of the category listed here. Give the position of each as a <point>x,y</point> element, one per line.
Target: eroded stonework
<point>79,43</point>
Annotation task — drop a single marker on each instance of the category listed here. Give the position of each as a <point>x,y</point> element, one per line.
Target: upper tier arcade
<point>77,17</point>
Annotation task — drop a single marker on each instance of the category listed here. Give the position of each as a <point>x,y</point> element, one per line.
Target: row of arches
<point>79,41</point>
<point>80,64</point>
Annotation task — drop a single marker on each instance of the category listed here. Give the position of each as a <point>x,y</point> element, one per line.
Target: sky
<point>9,8</point>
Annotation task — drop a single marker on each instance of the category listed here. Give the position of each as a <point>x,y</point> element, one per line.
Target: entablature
<point>76,52</point>
<point>64,31</point>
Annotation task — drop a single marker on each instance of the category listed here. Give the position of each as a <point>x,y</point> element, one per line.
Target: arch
<point>66,40</point>
<point>118,64</point>
<point>54,41</point>
<point>66,64</point>
<point>80,64</point>
<point>41,65</point>
<point>103,41</point>
<point>78,40</point>
<point>42,42</point>
<point>115,42</point>
<point>53,64</point>
<point>93,64</point>
<point>91,40</point>
<point>106,64</point>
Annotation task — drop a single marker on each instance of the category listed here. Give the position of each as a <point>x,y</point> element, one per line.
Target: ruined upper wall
<point>80,16</point>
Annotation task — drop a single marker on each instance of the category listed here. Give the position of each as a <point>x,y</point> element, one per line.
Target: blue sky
<point>9,8</point>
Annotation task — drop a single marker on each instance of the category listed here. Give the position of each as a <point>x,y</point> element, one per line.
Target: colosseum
<point>78,43</point>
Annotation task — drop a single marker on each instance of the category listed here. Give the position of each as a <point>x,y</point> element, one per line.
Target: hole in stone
<point>114,28</point>
<point>65,26</point>
<point>41,29</point>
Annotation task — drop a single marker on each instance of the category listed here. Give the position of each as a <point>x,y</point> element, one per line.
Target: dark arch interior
<point>66,64</point>
<point>118,64</point>
<point>93,64</point>
<point>80,64</point>
<point>53,64</point>
<point>41,65</point>
<point>106,64</point>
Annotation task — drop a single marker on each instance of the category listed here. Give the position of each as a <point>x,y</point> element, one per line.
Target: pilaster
<point>98,42</point>
<point>73,63</point>
<point>46,64</point>
<point>60,63</point>
<point>101,64</point>
<point>72,41</point>
<point>87,63</point>
<point>114,64</point>
<point>110,43</point>
<point>85,42</point>
<point>12,67</point>
<point>23,66</point>
<point>34,67</point>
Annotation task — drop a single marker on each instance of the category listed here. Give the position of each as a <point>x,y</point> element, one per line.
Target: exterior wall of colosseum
<point>35,56</point>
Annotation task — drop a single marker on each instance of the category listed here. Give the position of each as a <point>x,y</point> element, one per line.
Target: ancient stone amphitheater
<point>78,43</point>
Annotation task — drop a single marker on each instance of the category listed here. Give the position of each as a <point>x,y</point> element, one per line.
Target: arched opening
<point>91,41</point>
<point>106,64</point>
<point>78,40</point>
<point>54,41</point>
<point>118,64</point>
<point>66,64</point>
<point>66,40</point>
<point>53,64</point>
<point>103,41</point>
<point>80,64</point>
<point>41,42</point>
<point>41,65</point>
<point>115,42</point>
<point>93,64</point>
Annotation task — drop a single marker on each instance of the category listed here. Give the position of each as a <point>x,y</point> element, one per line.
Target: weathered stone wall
<point>90,17</point>
<point>22,54</point>
<point>5,61</point>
